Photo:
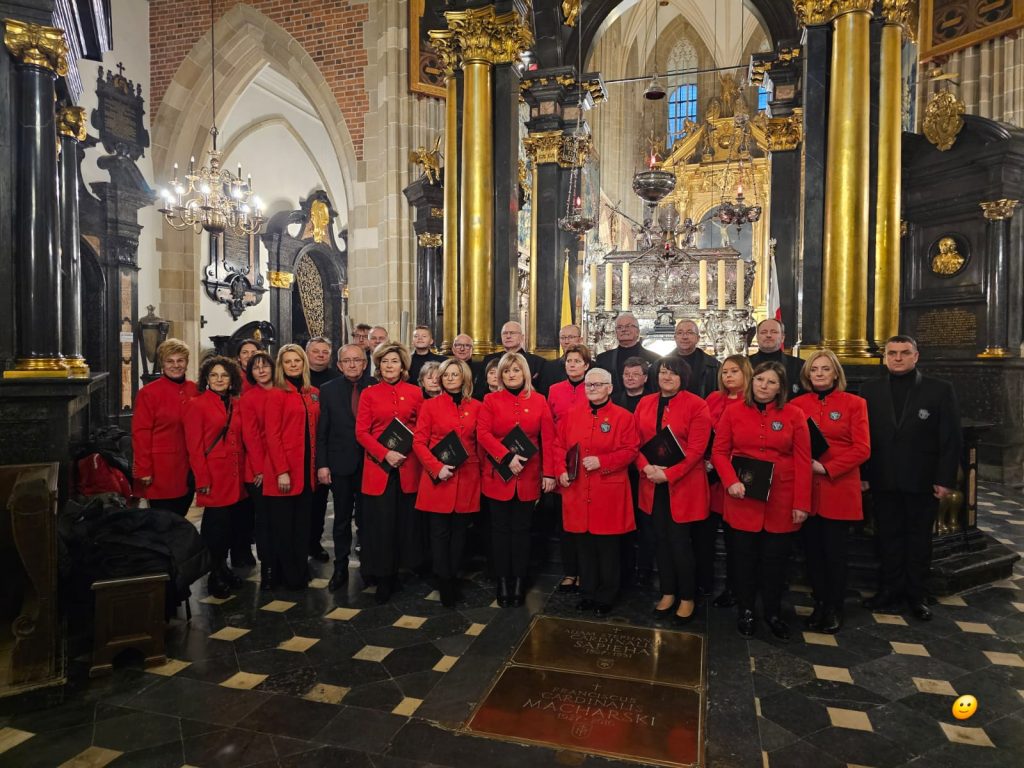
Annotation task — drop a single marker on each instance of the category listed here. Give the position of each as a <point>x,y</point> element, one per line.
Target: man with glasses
<point>627,333</point>
<point>512,341</point>
<point>462,349</point>
<point>554,372</point>
<point>339,459</point>
<point>361,338</point>
<point>703,367</point>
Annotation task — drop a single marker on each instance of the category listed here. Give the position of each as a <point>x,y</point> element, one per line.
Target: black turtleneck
<point>514,391</point>
<point>823,393</point>
<point>776,355</point>
<point>295,381</point>
<point>900,385</point>
<point>595,407</point>
<point>576,383</point>
<point>225,397</point>
<point>762,407</point>
<point>662,404</point>
<point>456,397</point>
<point>178,381</point>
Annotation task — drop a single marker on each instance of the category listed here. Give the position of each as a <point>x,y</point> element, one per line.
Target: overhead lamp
<point>654,90</point>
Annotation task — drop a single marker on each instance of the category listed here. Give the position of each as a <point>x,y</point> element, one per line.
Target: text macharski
<point>575,704</point>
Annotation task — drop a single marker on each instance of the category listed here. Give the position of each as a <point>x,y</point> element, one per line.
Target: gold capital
<point>447,48</point>
<point>998,210</point>
<point>943,119</point>
<point>544,146</point>
<point>903,13</point>
<point>71,122</point>
<point>37,45</point>
<point>428,240</point>
<point>280,279</point>
<point>811,13</point>
<point>486,36</point>
<point>784,134</point>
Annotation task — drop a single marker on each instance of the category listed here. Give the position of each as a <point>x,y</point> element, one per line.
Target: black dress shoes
<point>813,622</point>
<point>518,596</point>
<point>319,554</point>
<point>920,610</point>
<point>831,621</point>
<point>339,578</point>
<point>216,586</point>
<point>884,600</point>
<point>504,593</point>
<point>779,628</point>
<point>233,580</point>
<point>585,605</point>
<point>746,623</point>
<point>725,600</point>
<point>267,581</point>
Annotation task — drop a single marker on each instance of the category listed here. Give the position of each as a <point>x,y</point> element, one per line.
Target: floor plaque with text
<point>613,650</point>
<point>608,716</point>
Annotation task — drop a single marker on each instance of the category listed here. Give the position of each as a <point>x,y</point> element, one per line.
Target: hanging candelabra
<point>737,212</point>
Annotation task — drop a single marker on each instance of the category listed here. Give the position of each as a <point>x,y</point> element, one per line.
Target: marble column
<point>998,213</point>
<point>71,127</point>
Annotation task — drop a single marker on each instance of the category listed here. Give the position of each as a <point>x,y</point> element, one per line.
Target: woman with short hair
<point>159,452</point>
<point>429,380</point>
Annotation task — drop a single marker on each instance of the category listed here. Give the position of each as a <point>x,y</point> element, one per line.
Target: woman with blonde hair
<point>160,455</point>
<point>429,379</point>
<point>291,412</point>
<point>842,419</point>
<point>392,529</point>
<point>515,404</point>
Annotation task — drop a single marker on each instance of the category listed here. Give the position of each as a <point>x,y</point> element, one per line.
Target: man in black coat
<point>422,352</point>
<point>512,341</point>
<point>339,459</point>
<point>627,333</point>
<point>703,367</point>
<point>771,335</point>
<point>915,454</point>
<point>554,370</point>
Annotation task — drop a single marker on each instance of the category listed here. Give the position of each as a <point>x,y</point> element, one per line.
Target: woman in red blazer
<point>675,496</point>
<point>562,398</point>
<point>392,532</point>
<point>511,502</point>
<point>765,428</point>
<point>291,410</point>
<point>252,408</point>
<point>446,491</point>
<point>842,419</point>
<point>597,505</point>
<point>213,433</point>
<point>158,433</point>
<point>733,377</point>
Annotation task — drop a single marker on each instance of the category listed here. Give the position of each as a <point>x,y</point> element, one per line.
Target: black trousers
<point>478,538</point>
<point>705,537</point>
<point>179,505</point>
<point>904,523</point>
<point>261,522</point>
<point>216,531</point>
<point>289,537</point>
<point>566,540</point>
<point>317,513</point>
<point>447,541</point>
<point>510,537</point>
<point>761,561</point>
<point>600,569</point>
<point>825,545</point>
<point>673,551</point>
<point>345,489</point>
<point>243,522</point>
<point>391,531</point>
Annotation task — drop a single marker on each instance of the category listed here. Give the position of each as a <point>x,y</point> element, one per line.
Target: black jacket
<point>416,362</point>
<point>609,360</point>
<point>336,446</point>
<point>536,363</point>
<point>552,373</point>
<point>703,372</point>
<point>793,366</point>
<point>920,450</point>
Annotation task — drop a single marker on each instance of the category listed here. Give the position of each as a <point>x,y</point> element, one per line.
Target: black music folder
<point>450,450</point>
<point>572,462</point>
<point>517,443</point>
<point>663,449</point>
<point>756,476</point>
<point>395,437</point>
<point>818,442</point>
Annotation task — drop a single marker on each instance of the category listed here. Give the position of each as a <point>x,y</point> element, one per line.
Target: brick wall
<point>330,31</point>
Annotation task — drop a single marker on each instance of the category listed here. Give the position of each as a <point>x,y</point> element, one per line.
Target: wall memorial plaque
<point>947,327</point>
<point>233,277</point>
<point>118,115</point>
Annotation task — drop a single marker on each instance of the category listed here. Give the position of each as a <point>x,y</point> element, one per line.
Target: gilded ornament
<point>544,146</point>
<point>998,210</point>
<point>943,119</point>
<point>571,12</point>
<point>37,45</point>
<point>318,219</point>
<point>782,134</point>
<point>71,122</point>
<point>280,279</point>
<point>524,180</point>
<point>903,13</point>
<point>948,260</point>
<point>429,160</point>
<point>812,13</point>
<point>446,46</point>
<point>486,36</point>
<point>429,240</point>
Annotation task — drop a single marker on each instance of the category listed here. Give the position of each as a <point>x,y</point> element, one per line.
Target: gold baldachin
<point>811,13</point>
<point>484,35</point>
<point>37,45</point>
<point>903,13</point>
<point>429,240</point>
<point>998,210</point>
<point>71,122</point>
<point>280,279</point>
<point>943,119</point>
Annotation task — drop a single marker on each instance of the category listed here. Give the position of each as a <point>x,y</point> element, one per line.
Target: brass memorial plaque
<point>613,650</point>
<point>626,719</point>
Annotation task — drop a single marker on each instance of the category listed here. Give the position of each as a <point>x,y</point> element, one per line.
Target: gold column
<point>900,19</point>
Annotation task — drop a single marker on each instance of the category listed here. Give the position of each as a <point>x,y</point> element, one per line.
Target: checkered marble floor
<point>332,679</point>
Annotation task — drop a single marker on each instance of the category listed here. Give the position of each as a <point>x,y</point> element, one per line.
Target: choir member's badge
<point>796,388</point>
<point>315,398</point>
<point>835,415</point>
<point>776,426</point>
<point>606,427</point>
<point>923,414</point>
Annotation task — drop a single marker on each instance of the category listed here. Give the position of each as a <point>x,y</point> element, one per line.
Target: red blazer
<point>500,412</point>
<point>690,420</point>
<point>378,405</point>
<point>563,397</point>
<point>252,406</point>
<point>776,435</point>
<point>158,438</point>
<point>219,467</point>
<point>437,417</point>
<point>717,405</point>
<point>843,421</point>
<point>600,501</point>
<point>286,417</point>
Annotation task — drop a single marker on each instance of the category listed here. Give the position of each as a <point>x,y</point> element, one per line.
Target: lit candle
<point>721,284</point>
<point>625,286</point>
<point>739,283</point>
<point>592,301</point>
<point>191,164</point>
<point>703,284</point>
<point>607,287</point>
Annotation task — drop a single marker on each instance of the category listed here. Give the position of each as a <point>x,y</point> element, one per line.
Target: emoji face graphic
<point>964,707</point>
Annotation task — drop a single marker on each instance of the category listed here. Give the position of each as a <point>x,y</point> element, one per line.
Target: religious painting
<point>951,25</point>
<point>426,75</point>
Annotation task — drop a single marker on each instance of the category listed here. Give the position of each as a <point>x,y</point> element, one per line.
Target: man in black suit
<point>318,352</point>
<point>771,335</point>
<point>462,349</point>
<point>512,341</point>
<point>627,333</point>
<point>339,459</point>
<point>703,367</point>
<point>915,455</point>
<point>554,371</point>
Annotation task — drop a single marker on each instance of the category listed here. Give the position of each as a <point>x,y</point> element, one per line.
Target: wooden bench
<point>129,614</point>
